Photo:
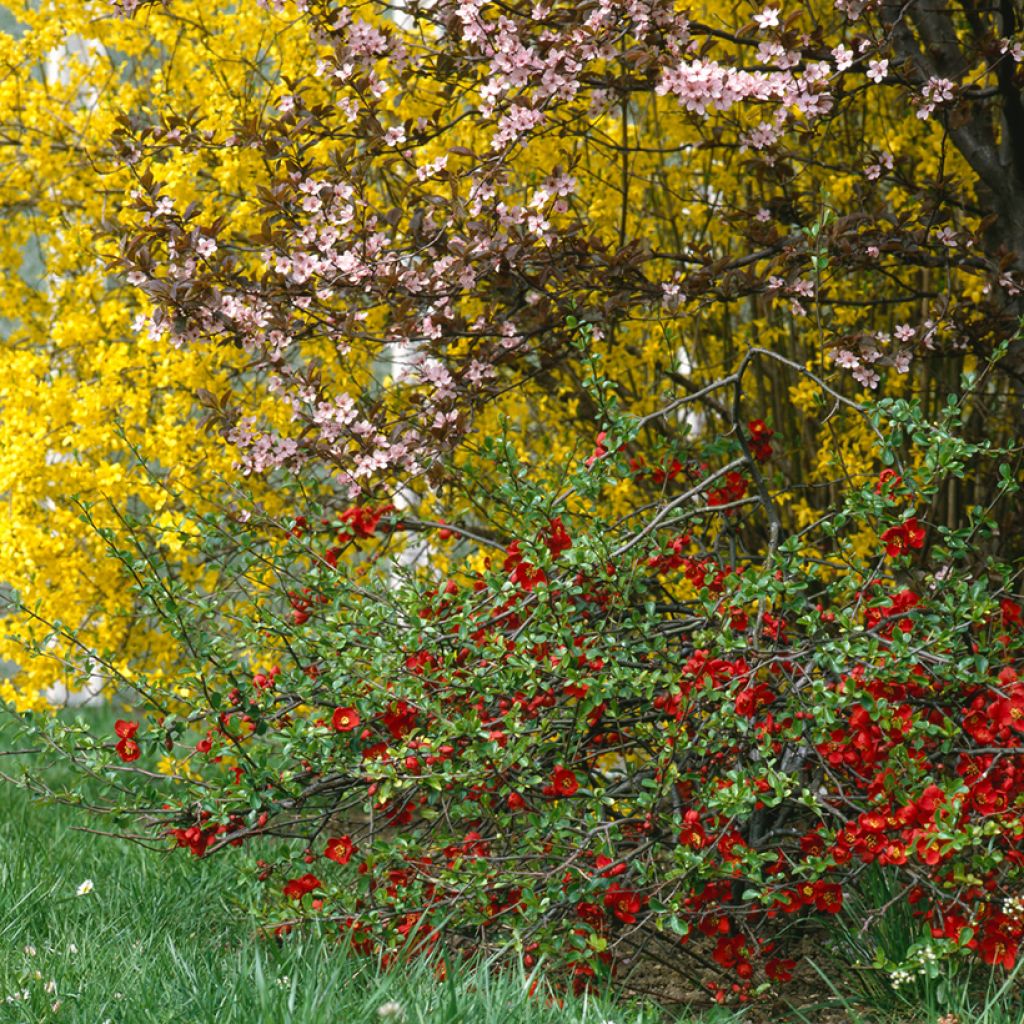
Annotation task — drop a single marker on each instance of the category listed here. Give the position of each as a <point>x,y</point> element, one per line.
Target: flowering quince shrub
<point>537,728</point>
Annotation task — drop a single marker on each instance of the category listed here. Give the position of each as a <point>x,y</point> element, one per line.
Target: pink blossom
<point>768,18</point>
<point>877,70</point>
<point>843,57</point>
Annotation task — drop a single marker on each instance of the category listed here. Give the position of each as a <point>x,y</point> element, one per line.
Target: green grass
<point>160,939</point>
<point>157,941</point>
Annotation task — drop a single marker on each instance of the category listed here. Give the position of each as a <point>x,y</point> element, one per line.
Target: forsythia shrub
<point>84,383</point>
<point>390,215</point>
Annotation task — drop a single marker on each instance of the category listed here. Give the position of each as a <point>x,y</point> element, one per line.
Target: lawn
<point>158,938</point>
<point>97,930</point>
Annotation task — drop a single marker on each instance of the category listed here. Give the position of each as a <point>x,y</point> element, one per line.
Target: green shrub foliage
<point>543,729</point>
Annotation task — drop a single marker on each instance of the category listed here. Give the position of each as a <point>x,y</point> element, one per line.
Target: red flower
<point>563,782</point>
<point>928,853</point>
<point>895,541</point>
<point>1011,612</point>
<point>751,699</point>
<point>195,838</point>
<point>528,576</point>
<point>265,680</point>
<point>623,903</point>
<point>828,897</point>
<point>888,481</point>
<point>734,489</point>
<point>608,867</point>
<point>361,521</point>
<point>344,719</point>
<point>728,843</point>
<point>591,913</point>
<point>908,536</point>
<point>996,947</point>
<point>128,750</point>
<point>340,850</point>
<point>599,449</point>
<point>692,833</point>
<point>760,440</point>
<point>894,853</point>
<point>812,844</point>
<point>399,719</point>
<point>915,533</point>
<point>779,970</point>
<point>1007,714</point>
<point>659,476</point>
<point>296,888</point>
<point>557,539</point>
<point>730,952</point>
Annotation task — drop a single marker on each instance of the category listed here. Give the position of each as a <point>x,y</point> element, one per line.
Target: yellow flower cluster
<point>95,412</point>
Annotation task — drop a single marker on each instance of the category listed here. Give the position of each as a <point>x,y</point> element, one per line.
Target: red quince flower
<point>998,948</point>
<point>362,521</point>
<point>599,449</point>
<point>128,750</point>
<point>659,476</point>
<point>340,850</point>
<point>692,833</point>
<point>528,576</point>
<point>734,489</point>
<point>1008,714</point>
<point>730,951</point>
<point>915,533</point>
<point>828,897</point>
<point>344,719</point>
<point>779,970</point>
<point>399,719</point>
<point>563,782</point>
<point>623,903</point>
<point>908,536</point>
<point>728,843</point>
<point>812,844</point>
<point>608,867</point>
<point>591,913</point>
<point>1011,613</point>
<point>751,699</point>
<point>195,838</point>
<point>296,888</point>
<point>894,853</point>
<point>760,440</point>
<point>557,539</point>
<point>888,480</point>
